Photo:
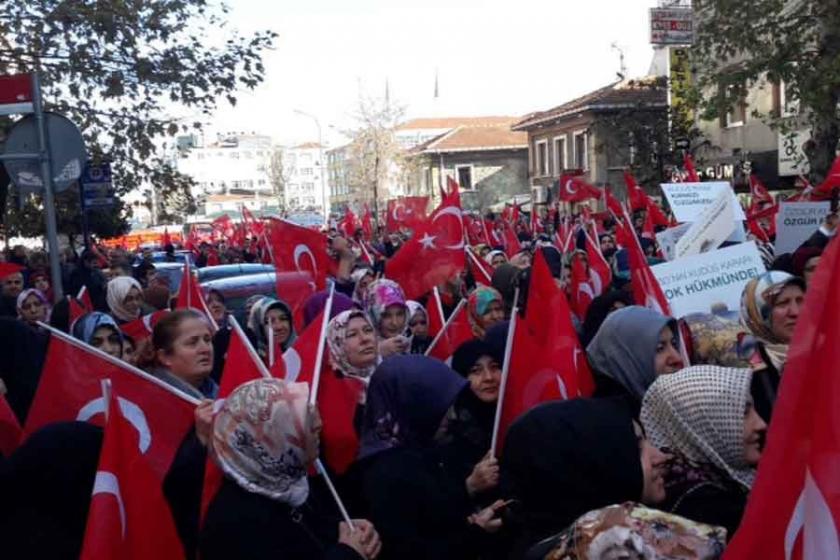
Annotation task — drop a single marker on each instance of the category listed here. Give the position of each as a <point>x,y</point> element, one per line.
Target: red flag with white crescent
<point>574,189</point>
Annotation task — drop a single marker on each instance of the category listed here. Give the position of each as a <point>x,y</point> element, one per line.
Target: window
<point>542,158</point>
<point>308,187</point>
<point>306,171</point>
<point>560,161</point>
<point>234,155</point>
<point>581,157</point>
<point>428,179</point>
<point>737,113</point>
<point>464,176</point>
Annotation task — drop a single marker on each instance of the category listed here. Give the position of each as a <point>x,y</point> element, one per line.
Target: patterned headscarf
<point>86,325</point>
<point>477,304</point>
<point>336,333</point>
<point>757,302</point>
<point>118,289</point>
<point>698,412</point>
<point>380,295</point>
<point>22,297</point>
<point>260,436</point>
<point>256,322</point>
<point>414,307</point>
<point>359,294</point>
<point>488,258</point>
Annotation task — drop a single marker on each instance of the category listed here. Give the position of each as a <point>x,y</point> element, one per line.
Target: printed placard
<point>796,222</point>
<point>689,200</point>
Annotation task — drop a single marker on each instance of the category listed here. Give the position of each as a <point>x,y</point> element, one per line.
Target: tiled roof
<point>452,122</point>
<point>474,138</point>
<point>307,146</point>
<point>645,92</point>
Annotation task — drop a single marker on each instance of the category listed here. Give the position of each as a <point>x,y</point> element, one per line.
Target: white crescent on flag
<point>302,249</point>
<point>569,188</point>
<point>133,413</point>
<point>107,483</point>
<point>292,360</point>
<point>538,382</point>
<point>812,518</point>
<point>453,211</point>
<point>395,214</point>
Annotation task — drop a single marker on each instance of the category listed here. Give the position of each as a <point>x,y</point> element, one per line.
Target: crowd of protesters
<point>661,456</point>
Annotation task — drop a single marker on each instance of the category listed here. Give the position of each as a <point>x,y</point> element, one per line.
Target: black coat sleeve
<point>713,505</point>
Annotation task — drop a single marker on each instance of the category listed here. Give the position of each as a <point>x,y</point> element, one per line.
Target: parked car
<point>237,289</point>
<point>172,271</point>
<point>209,273</point>
<point>160,256</point>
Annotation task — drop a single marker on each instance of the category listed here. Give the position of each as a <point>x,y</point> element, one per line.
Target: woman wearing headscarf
<point>100,331</point>
<point>388,312</point>
<point>125,299</point>
<point>271,320</point>
<point>362,278</point>
<point>770,306</point>
<point>598,311</point>
<point>420,510</point>
<point>32,307</point>
<point>633,346</point>
<point>40,280</point>
<point>418,325</point>
<point>317,302</point>
<point>496,258</point>
<point>565,458</point>
<point>264,438</point>
<point>505,280</point>
<point>704,417</point>
<point>485,308</point>
<point>351,339</point>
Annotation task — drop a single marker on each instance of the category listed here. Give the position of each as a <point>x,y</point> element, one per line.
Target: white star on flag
<point>428,241</point>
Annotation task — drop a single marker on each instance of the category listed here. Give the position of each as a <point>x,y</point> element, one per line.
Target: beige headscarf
<point>118,289</point>
<point>260,437</point>
<point>699,413</point>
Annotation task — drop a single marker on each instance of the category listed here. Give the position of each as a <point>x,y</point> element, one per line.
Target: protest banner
<point>715,224</point>
<point>697,283</point>
<point>667,239</point>
<point>688,200</point>
<point>796,222</point>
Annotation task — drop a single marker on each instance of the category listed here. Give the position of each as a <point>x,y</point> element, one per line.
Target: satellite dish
<point>67,151</point>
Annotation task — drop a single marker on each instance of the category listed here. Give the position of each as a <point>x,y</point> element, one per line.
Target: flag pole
<point>445,326</point>
<point>319,357</point>
<point>478,265</point>
<point>119,363</point>
<point>251,352</point>
<point>319,466</point>
<point>505,371</point>
<point>439,304</point>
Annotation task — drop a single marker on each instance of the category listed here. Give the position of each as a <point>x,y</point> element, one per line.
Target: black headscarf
<point>563,459</point>
<point>598,310</point>
<point>505,280</point>
<point>406,400</point>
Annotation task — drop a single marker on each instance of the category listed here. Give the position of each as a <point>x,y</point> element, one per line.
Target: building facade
<point>304,183</point>
<point>597,135</point>
<point>234,162</point>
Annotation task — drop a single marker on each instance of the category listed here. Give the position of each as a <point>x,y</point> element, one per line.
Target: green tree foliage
<point>132,74</point>
<point>741,43</point>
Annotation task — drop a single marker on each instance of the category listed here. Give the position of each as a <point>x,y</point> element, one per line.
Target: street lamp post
<point>320,164</point>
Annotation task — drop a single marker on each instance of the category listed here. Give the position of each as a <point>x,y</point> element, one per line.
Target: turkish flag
<point>547,361</point>
<point>636,196</point>
<point>647,229</point>
<point>582,292</point>
<point>599,268</point>
<point>756,216</point>
<point>300,358</point>
<point>454,333</point>
<point>690,171</point>
<point>253,226</point>
<point>129,517</point>
<point>70,390</point>
<point>348,224</point>
<point>494,239</point>
<point>241,366</point>
<point>575,189</point>
<point>434,254</point>
<point>758,190</point>
<point>301,249</point>
<point>511,241</point>
<point>794,505</point>
<point>76,310</point>
<point>613,205</point>
<point>367,224</point>
<point>142,328</point>
<point>481,271</point>
<point>84,298</point>
<point>475,230</point>
<point>434,311</point>
<point>406,212</point>
<point>190,296</point>
<point>338,398</point>
<point>223,228</point>
<point>646,289</point>
<point>10,430</point>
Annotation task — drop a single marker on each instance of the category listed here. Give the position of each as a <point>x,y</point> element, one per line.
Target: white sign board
<point>715,225</point>
<point>796,222</point>
<point>697,283</point>
<point>792,160</point>
<point>671,26</point>
<point>667,238</point>
<point>689,200</point>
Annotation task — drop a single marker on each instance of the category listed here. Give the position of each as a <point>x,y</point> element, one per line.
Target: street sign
<point>671,26</point>
<point>16,94</point>
<point>97,188</point>
<point>67,153</point>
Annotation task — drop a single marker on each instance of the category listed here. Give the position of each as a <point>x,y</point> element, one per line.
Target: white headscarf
<point>699,413</point>
<point>118,289</point>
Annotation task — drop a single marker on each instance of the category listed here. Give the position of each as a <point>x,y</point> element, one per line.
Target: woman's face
<point>191,356</point>
<point>498,260</point>
<point>108,340</point>
<point>42,284</point>
<point>393,321</point>
<point>33,310</point>
<point>807,272</point>
<point>132,302</point>
<point>653,469</point>
<point>419,325</point>
<point>754,428</point>
<point>365,282</point>
<point>667,358</point>
<point>280,324</point>
<point>495,314</point>
<point>217,307</point>
<point>360,343</point>
<point>485,378</point>
<point>129,352</point>
<point>785,312</point>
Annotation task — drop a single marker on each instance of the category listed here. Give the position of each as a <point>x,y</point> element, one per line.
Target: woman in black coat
<point>419,508</point>
<point>264,438</point>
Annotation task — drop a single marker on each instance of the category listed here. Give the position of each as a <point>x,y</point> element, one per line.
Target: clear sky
<point>493,57</point>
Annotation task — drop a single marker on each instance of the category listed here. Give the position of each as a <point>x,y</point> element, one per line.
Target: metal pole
<point>49,199</point>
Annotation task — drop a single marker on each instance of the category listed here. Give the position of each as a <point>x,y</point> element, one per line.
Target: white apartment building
<point>234,162</point>
<point>302,176</point>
